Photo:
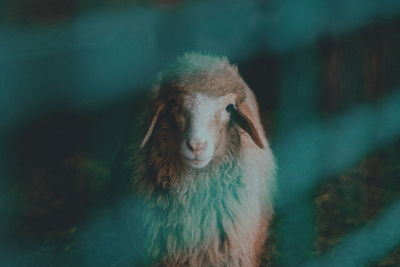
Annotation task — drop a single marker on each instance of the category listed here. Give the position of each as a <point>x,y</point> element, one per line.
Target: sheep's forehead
<point>216,84</point>
<point>203,105</point>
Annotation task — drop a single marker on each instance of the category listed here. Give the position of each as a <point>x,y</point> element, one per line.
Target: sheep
<point>204,170</point>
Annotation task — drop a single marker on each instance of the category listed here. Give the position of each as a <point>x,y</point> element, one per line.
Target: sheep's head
<point>202,106</point>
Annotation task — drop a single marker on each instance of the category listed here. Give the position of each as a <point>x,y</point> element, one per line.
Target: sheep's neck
<point>201,208</point>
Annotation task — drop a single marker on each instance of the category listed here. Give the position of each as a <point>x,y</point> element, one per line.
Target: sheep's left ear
<point>243,117</point>
<point>156,113</point>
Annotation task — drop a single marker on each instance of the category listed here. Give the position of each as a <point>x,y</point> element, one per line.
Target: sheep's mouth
<point>197,163</point>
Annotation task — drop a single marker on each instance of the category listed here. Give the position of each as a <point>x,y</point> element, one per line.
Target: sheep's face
<point>197,127</point>
<point>203,122</point>
<point>198,114</point>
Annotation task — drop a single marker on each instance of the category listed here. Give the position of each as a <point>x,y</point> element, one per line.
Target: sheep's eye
<point>229,108</point>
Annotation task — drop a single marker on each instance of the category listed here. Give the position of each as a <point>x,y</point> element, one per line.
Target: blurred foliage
<point>392,260</point>
<point>74,73</point>
<point>357,196</point>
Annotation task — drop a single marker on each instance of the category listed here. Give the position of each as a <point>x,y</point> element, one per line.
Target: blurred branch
<point>327,148</point>
<point>367,244</point>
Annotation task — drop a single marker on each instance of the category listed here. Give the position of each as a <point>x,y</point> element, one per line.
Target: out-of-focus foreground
<point>73,76</point>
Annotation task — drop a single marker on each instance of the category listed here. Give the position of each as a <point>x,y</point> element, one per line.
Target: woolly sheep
<point>204,171</point>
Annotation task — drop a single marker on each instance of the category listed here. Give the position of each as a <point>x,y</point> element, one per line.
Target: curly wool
<point>215,216</point>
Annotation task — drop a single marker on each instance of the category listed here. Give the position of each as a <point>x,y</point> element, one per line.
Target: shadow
<point>49,175</point>
<point>67,167</point>
<point>261,73</point>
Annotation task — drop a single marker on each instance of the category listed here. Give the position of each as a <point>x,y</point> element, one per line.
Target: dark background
<point>73,76</point>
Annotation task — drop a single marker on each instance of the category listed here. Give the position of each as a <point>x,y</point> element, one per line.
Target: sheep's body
<point>217,216</point>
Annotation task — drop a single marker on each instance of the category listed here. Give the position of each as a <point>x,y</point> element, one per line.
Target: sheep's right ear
<point>243,117</point>
<point>155,115</point>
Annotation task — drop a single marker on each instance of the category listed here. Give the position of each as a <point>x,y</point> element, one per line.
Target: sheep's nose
<point>197,146</point>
